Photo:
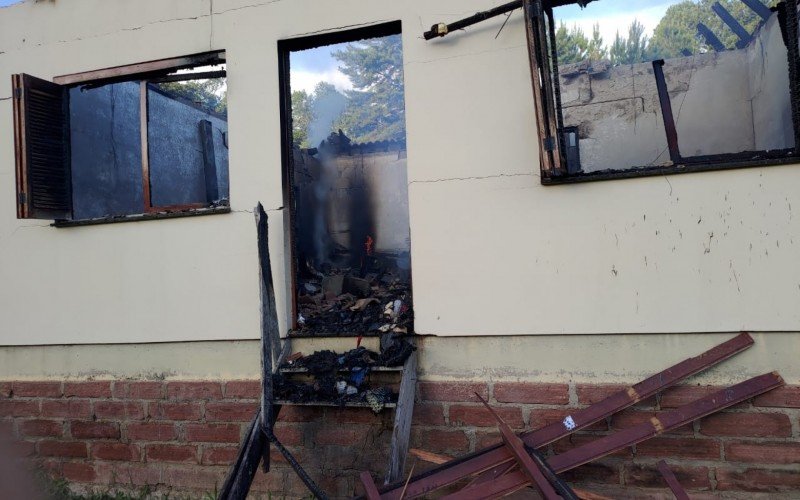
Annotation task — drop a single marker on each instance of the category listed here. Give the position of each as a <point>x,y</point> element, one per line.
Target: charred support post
<point>733,24</point>
<point>672,481</point>
<point>269,326</point>
<point>759,8</point>
<point>710,37</point>
<point>666,112</point>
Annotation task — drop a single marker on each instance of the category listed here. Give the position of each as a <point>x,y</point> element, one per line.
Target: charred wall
<point>723,102</point>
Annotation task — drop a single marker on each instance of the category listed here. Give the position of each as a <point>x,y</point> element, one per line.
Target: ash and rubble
<point>353,270</point>
<point>343,378</point>
<point>343,303</point>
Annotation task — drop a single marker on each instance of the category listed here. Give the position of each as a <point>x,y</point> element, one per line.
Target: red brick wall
<point>181,436</point>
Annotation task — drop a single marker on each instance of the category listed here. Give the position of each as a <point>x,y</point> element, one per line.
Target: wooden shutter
<point>543,94</point>
<point>41,141</point>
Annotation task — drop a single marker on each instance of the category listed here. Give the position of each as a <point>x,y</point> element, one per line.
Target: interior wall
<point>495,252</point>
<point>106,151</point>
<point>769,79</point>
<point>723,102</point>
<point>176,157</point>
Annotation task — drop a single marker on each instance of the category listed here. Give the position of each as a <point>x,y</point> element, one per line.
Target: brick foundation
<point>181,436</point>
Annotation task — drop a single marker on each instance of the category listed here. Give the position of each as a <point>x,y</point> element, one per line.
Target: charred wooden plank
<point>402,420</point>
<point>494,456</point>
<point>631,436</point>
<point>672,481</point>
<point>526,463</point>
<point>269,325</point>
<point>369,486</point>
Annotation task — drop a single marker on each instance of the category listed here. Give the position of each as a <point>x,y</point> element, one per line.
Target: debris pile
<point>341,378</point>
<point>344,303</point>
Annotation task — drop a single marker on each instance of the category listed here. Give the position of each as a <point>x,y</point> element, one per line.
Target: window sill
<point>142,217</point>
<point>605,175</point>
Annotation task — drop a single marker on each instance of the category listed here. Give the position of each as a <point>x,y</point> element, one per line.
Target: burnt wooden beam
<point>606,445</point>
<point>672,481</point>
<point>182,77</point>
<point>759,8</point>
<point>733,24</point>
<point>442,29</point>
<point>710,37</point>
<point>526,463</point>
<point>666,112</point>
<point>497,455</point>
<point>370,489</point>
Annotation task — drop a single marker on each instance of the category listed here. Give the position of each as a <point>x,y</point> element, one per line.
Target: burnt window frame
<point>540,32</point>
<point>157,71</point>
<point>285,48</point>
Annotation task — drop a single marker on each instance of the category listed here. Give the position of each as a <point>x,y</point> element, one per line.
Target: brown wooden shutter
<point>41,141</point>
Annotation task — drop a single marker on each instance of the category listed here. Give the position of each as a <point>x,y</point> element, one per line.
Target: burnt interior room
<point>345,159</point>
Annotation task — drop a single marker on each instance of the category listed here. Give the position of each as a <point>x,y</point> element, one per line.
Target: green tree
<point>572,46</point>
<point>375,109</point>
<point>597,50</point>
<point>301,117</point>
<point>211,94</point>
<point>632,49</point>
<point>677,30</point>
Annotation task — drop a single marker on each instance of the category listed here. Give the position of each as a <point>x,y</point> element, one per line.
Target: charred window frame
<point>552,136</point>
<point>41,113</point>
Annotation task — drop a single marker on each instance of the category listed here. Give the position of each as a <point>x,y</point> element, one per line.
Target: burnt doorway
<point>345,182</point>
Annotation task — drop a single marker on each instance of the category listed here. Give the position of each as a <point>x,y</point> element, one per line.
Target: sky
<point>6,3</point>
<point>614,15</point>
<point>309,67</point>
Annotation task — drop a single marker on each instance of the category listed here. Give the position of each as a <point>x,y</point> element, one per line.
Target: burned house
<point>537,212</point>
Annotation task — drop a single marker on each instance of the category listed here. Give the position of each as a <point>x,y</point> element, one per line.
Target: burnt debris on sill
<point>343,379</point>
<point>344,303</point>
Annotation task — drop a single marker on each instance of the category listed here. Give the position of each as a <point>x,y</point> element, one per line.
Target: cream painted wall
<point>494,252</point>
<point>603,359</point>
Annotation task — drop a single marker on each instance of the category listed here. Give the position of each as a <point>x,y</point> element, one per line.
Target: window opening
<point>346,156</point>
<point>143,139</point>
<point>659,86</point>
